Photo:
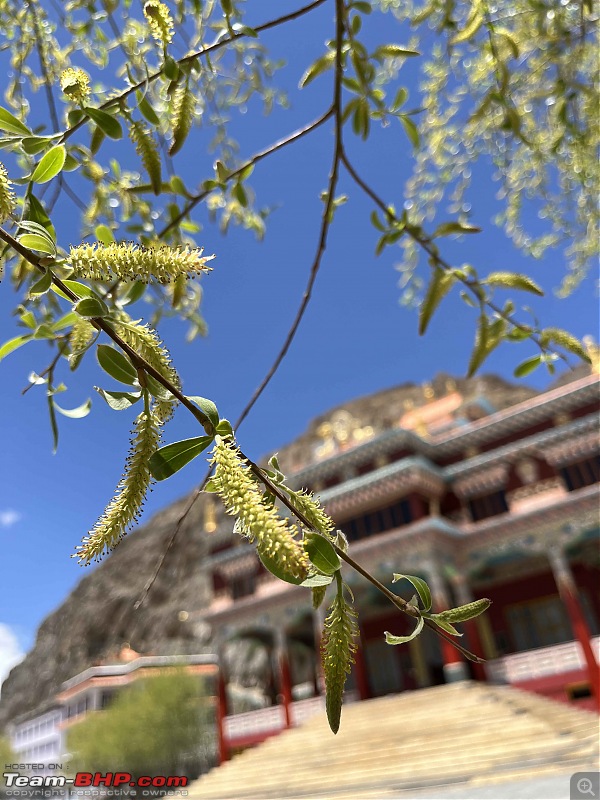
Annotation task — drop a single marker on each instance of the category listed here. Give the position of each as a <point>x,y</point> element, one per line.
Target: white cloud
<point>8,517</point>
<point>10,650</point>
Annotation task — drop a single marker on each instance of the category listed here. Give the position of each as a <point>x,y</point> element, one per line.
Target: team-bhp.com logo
<point>93,780</point>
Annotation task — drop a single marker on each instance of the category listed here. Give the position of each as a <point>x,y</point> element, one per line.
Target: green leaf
<point>134,294</point>
<point>439,286</point>
<point>35,227</point>
<point>41,286</point>
<point>75,413</point>
<point>157,390</point>
<point>224,428</point>
<point>146,110</point>
<point>321,553</point>
<point>116,364</point>
<point>400,99</point>
<point>474,22</point>
<point>50,165</point>
<point>420,585</point>
<point>170,69</point>
<point>390,638</point>
<point>480,350</point>
<point>13,344</point>
<point>44,331</point>
<point>318,595</point>
<point>92,307</point>
<point>393,51</point>
<point>316,580</point>
<point>527,366</point>
<point>79,289</point>
<point>448,228</point>
<point>34,211</point>
<point>53,425</point>
<point>275,568</point>
<point>64,322</point>
<point>107,123</point>
<point>444,624</point>
<point>208,408</point>
<point>104,234</point>
<point>170,459</point>
<point>564,339</point>
<point>28,319</point>
<point>320,65</point>
<point>10,124</point>
<point>119,401</point>
<point>36,242</point>
<point>411,129</point>
<point>35,144</point>
<point>513,280</point>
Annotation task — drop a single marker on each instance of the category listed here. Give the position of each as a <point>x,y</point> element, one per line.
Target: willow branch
<point>425,244</point>
<point>192,56</point>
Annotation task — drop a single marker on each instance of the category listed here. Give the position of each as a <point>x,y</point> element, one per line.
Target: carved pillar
<point>455,669</point>
<point>221,714</point>
<point>567,590</point>
<point>464,596</point>
<point>417,506</point>
<point>284,681</point>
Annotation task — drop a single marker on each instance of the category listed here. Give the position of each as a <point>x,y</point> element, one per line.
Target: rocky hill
<point>99,615</point>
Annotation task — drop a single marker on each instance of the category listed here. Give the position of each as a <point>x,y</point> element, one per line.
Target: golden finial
<point>428,391</point>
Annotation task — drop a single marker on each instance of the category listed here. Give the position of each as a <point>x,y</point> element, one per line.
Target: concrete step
<point>460,733</point>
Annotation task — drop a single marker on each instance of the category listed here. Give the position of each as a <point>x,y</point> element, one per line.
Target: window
<point>488,506</point>
<point>384,519</point>
<point>583,473</point>
<point>242,586</point>
<point>540,623</point>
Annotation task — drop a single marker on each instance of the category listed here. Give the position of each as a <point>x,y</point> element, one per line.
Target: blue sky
<point>355,339</point>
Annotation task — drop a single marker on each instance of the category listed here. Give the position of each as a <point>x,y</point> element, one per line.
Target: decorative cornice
<point>579,447</point>
<point>482,481</point>
<point>386,483</point>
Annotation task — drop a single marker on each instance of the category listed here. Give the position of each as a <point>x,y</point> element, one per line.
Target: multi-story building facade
<point>481,499</point>
<point>40,738</point>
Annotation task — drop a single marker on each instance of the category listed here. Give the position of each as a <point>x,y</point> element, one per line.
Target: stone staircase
<point>458,734</point>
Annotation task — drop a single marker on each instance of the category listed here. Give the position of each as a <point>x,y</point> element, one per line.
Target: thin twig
<point>44,67</point>
<point>273,148</point>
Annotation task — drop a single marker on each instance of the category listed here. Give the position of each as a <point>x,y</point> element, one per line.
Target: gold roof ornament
<point>341,431</point>
<point>428,391</point>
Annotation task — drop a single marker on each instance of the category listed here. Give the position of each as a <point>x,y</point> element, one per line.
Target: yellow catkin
<point>243,499</point>
<point>75,83</point>
<point>147,149</point>
<point>145,341</point>
<point>125,507</point>
<point>131,262</point>
<point>8,200</point>
<point>338,645</point>
<point>160,21</point>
